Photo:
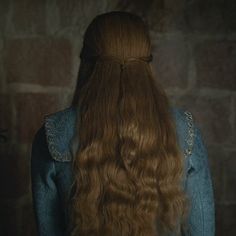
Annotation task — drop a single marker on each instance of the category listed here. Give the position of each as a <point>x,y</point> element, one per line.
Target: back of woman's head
<point>117,33</point>
<point>128,167</point>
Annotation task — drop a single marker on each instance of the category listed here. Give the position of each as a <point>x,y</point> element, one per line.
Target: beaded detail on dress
<point>190,138</point>
<point>60,127</point>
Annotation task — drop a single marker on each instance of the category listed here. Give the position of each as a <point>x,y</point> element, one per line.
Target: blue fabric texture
<point>51,173</point>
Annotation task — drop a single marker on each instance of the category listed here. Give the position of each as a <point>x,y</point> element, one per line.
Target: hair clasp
<point>122,61</point>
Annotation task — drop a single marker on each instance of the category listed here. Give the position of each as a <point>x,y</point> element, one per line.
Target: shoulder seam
<point>190,137</point>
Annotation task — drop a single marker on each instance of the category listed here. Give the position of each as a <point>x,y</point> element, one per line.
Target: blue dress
<point>51,173</point>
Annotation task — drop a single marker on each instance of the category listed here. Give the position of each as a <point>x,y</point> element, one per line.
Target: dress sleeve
<point>200,190</point>
<point>46,202</point>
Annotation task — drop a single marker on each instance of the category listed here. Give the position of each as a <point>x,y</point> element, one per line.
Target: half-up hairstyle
<point>128,166</point>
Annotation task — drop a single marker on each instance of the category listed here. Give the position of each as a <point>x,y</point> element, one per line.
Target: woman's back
<point>120,160</point>
<point>51,172</point>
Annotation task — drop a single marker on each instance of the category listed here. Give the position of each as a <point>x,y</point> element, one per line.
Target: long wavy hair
<point>128,166</point>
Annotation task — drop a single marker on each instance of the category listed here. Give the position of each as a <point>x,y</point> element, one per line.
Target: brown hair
<point>128,166</point>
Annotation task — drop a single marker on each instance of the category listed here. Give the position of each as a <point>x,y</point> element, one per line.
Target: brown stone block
<point>212,115</point>
<point>219,209</point>
<point>206,16</point>
<point>71,12</point>
<point>230,220</point>
<point>234,119</point>
<point>27,221</point>
<point>29,16</point>
<point>229,10</point>
<point>217,158</point>
<point>6,118</point>
<point>216,64</point>
<point>14,171</point>
<point>161,16</point>
<point>171,61</point>
<point>43,61</point>
<point>225,220</point>
<point>230,177</point>
<point>30,110</point>
<point>4,8</point>
<point>8,219</point>
<point>79,13</point>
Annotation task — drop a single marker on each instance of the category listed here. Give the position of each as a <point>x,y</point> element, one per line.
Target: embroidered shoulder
<point>59,131</point>
<point>190,137</point>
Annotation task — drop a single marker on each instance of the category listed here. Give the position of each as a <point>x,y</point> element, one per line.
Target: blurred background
<point>194,49</point>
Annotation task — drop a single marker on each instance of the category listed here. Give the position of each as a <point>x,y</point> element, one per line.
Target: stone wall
<point>194,48</point>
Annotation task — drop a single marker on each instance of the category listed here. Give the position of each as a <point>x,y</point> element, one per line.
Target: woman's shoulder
<point>59,129</point>
<point>185,128</point>
<point>189,137</point>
